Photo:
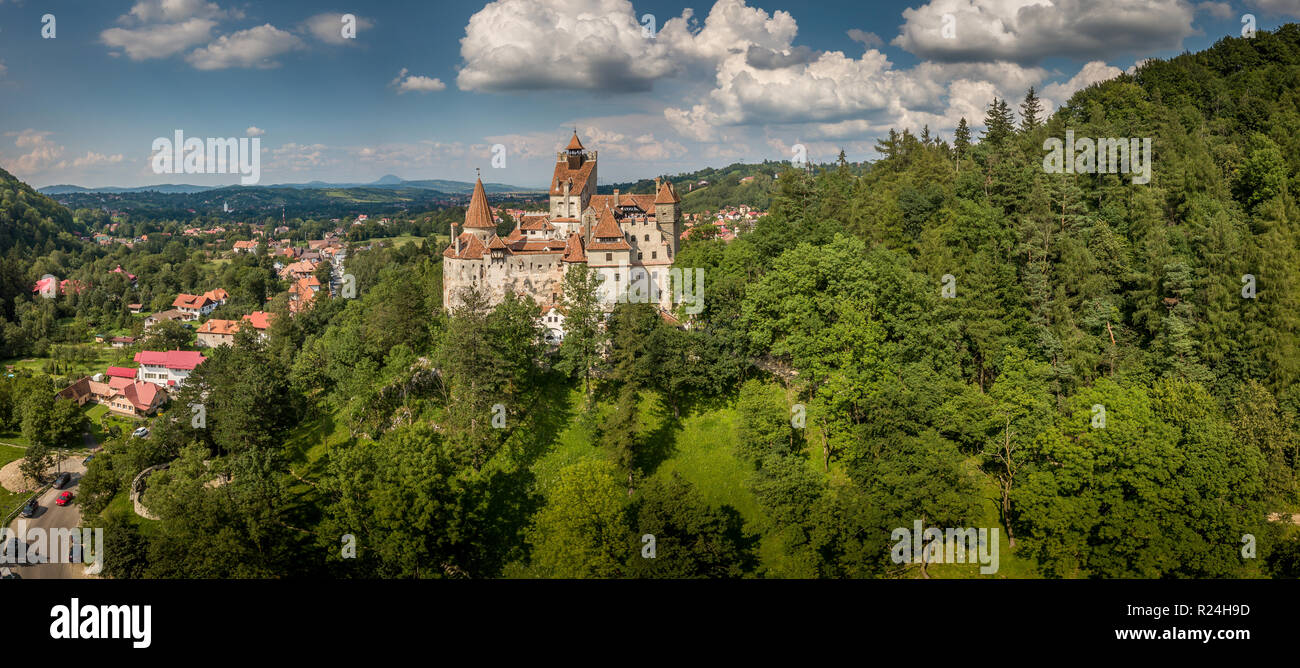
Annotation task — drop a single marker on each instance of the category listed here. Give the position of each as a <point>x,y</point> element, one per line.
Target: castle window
<point>609,257</point>
<point>647,237</point>
<point>654,255</point>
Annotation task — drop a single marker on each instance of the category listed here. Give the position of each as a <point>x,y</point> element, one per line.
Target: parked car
<point>64,499</point>
<point>140,432</point>
<point>29,509</point>
<point>62,481</point>
<point>86,461</point>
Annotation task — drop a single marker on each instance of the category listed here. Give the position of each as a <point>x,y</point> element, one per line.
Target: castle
<point>626,238</point>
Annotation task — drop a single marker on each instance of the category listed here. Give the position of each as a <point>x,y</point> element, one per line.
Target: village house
<point>260,321</point>
<point>119,391</point>
<point>302,293</point>
<point>194,306</point>
<point>169,314</point>
<point>169,368</point>
<point>245,247</point>
<point>217,332</point>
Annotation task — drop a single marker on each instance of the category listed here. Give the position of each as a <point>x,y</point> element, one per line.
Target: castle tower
<point>668,214</point>
<point>572,185</point>
<point>478,216</point>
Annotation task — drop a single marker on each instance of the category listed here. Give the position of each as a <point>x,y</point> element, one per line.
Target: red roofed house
<point>125,396</point>
<point>217,332</point>
<point>121,372</point>
<point>218,296</point>
<point>168,368</point>
<point>302,293</point>
<point>194,306</point>
<point>260,321</point>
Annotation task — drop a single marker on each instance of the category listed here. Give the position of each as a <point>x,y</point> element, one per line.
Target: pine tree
<point>961,141</point>
<point>1030,109</point>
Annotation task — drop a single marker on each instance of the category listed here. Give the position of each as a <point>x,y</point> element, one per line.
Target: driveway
<point>52,516</point>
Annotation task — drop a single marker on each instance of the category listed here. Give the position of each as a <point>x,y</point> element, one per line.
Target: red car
<point>64,499</point>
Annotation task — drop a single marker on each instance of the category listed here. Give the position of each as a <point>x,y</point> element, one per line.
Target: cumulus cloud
<point>38,154</point>
<point>158,40</point>
<point>412,83</point>
<point>158,11</point>
<point>1091,73</point>
<point>560,44</point>
<point>1283,7</point>
<point>764,58</point>
<point>254,131</point>
<point>328,27</point>
<point>831,94</point>
<point>1028,31</point>
<point>255,47</point>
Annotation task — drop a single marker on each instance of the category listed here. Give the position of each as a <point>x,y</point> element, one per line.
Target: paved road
<point>52,516</point>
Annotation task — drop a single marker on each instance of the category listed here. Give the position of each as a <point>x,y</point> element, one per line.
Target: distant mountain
<point>168,188</point>
<point>388,181</point>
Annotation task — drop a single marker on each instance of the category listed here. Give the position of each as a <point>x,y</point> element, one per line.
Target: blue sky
<point>428,88</point>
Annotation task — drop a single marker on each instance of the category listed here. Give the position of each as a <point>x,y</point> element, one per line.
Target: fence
<point>10,516</point>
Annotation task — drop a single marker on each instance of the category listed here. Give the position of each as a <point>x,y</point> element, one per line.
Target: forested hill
<point>31,225</point>
<point>1114,354</point>
<point>32,221</point>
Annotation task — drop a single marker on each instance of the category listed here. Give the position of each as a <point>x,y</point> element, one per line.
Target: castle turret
<point>478,216</point>
<point>668,214</point>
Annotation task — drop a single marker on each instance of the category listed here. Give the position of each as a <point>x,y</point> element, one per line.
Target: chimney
<point>616,198</point>
<point>455,239</point>
<point>656,184</point>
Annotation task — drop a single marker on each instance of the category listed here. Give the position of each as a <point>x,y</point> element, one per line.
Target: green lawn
<point>10,500</point>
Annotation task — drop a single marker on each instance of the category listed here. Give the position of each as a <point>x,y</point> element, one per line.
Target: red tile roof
<point>172,359</point>
<point>259,319</point>
<point>478,214</point>
<point>219,326</point>
<point>121,372</point>
<point>573,251</point>
<point>191,301</point>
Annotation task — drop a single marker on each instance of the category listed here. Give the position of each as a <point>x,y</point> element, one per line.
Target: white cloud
<point>254,131</point>
<point>1283,7</point>
<point>328,27</point>
<point>565,44</point>
<point>38,155</point>
<point>151,11</point>
<point>91,159</point>
<point>255,47</point>
<point>160,40</point>
<point>1027,31</point>
<point>1091,73</point>
<point>412,83</point>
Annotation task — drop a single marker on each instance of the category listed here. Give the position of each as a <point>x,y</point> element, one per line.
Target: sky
<point>439,89</point>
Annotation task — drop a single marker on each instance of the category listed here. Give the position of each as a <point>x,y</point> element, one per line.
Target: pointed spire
<point>574,144</point>
<point>479,214</point>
